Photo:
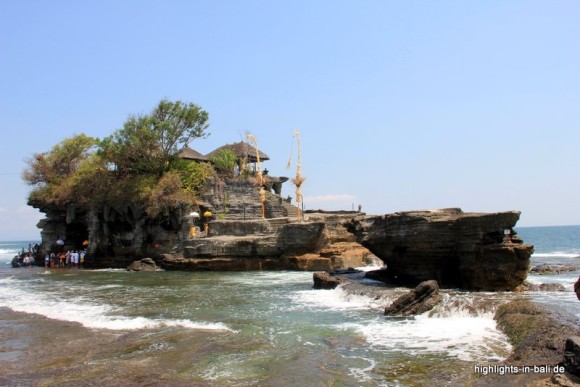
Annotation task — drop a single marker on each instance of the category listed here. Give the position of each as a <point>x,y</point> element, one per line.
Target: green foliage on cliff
<point>225,161</point>
<point>193,175</point>
<point>136,164</point>
<point>146,144</point>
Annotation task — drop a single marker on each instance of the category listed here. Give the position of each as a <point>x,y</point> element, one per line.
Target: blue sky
<point>401,105</point>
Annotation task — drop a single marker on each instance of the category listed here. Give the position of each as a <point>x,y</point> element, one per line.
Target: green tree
<point>148,143</point>
<point>55,174</point>
<point>225,161</point>
<point>135,164</point>
<point>194,175</point>
<point>176,125</point>
<point>165,195</point>
<point>62,160</point>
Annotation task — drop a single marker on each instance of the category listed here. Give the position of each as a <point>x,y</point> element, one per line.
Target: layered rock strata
<point>419,300</point>
<point>478,251</point>
<point>145,264</point>
<point>270,244</point>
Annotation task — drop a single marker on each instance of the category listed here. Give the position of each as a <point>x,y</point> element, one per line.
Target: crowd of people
<point>24,259</point>
<point>28,257</point>
<point>70,258</point>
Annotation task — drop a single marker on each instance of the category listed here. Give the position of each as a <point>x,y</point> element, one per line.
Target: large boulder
<point>577,288</point>
<point>572,355</point>
<point>145,264</point>
<point>466,250</point>
<point>324,280</point>
<point>419,300</point>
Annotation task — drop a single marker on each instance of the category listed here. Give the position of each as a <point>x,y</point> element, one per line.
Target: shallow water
<point>112,327</point>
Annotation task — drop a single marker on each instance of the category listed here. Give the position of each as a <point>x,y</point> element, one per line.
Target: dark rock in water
<point>468,250</point>
<point>526,286</point>
<point>323,280</point>
<point>15,262</point>
<point>572,355</point>
<point>419,300</point>
<point>146,264</point>
<point>348,270</point>
<point>378,275</point>
<point>553,269</point>
<point>577,288</point>
<point>552,288</point>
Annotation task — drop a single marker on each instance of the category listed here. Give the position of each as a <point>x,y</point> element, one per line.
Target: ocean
<point>113,327</point>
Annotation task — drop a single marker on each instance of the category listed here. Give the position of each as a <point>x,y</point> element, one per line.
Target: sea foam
<point>456,331</point>
<point>88,313</point>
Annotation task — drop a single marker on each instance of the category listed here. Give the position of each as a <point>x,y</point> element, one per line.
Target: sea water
<point>115,327</point>
<point>555,245</point>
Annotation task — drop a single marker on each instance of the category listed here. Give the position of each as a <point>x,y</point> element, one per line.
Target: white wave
<point>335,299</point>
<point>134,323</point>
<point>467,338</point>
<point>269,278</point>
<point>7,280</point>
<point>89,313</point>
<point>556,255</point>
<point>9,251</point>
<point>457,328</point>
<point>361,373</point>
<point>368,268</point>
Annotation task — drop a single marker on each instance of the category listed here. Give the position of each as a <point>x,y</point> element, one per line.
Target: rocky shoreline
<point>539,338</point>
<point>541,342</point>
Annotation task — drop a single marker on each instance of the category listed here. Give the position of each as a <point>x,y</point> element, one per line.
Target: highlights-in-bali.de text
<point>512,369</point>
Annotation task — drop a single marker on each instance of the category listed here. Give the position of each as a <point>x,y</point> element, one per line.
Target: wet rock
<point>564,380</point>
<point>145,264</point>
<point>572,355</point>
<point>545,268</point>
<point>324,280</point>
<point>378,275</point>
<point>16,262</point>
<point>577,288</point>
<point>538,337</point>
<point>466,250</point>
<point>419,300</point>
<point>526,286</point>
<point>348,270</point>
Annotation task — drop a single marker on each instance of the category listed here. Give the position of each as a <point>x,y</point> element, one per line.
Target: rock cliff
<point>478,251</point>
<point>269,244</point>
<point>237,238</point>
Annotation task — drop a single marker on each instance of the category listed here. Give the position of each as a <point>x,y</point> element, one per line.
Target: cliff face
<point>466,250</point>
<point>116,236</point>
<point>238,237</point>
<point>268,244</point>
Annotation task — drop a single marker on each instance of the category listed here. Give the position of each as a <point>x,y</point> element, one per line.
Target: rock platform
<point>476,251</point>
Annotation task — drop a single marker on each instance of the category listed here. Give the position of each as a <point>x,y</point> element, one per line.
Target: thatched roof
<point>190,154</point>
<point>241,149</point>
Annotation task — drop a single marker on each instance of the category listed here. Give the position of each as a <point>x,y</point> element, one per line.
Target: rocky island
<point>143,199</point>
<point>144,193</point>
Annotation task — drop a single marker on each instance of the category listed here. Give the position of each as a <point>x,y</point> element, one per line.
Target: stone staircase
<point>236,199</point>
<point>290,210</point>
